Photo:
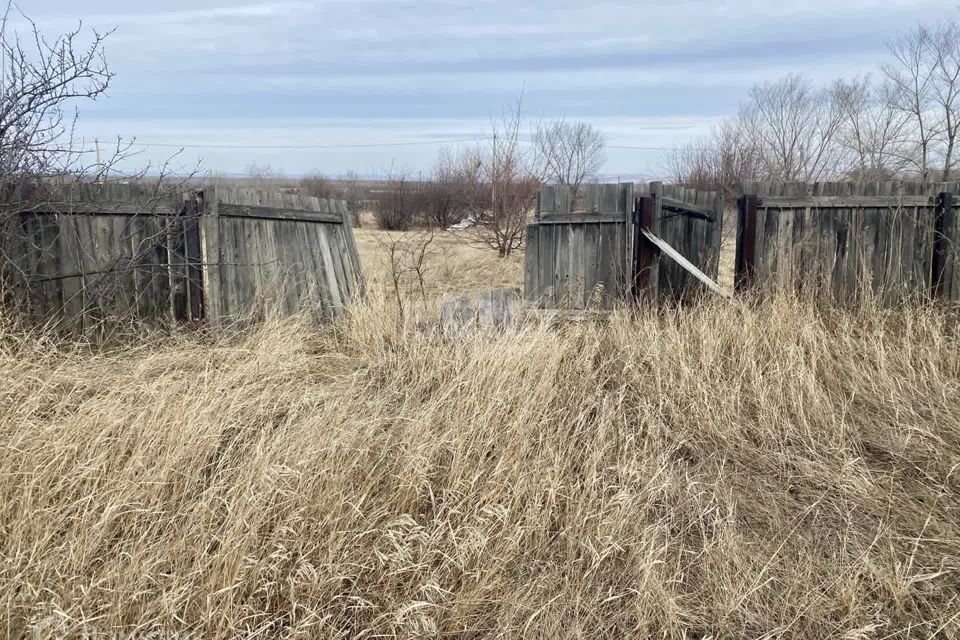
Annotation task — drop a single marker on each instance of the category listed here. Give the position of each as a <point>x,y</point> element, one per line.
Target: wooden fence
<point>114,251</point>
<point>297,250</point>
<point>896,240</point>
<point>577,259</point>
<point>690,221</point>
<point>594,250</point>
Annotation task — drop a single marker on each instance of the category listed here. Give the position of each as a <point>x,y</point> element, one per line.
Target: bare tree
<point>911,78</point>
<point>793,127</point>
<point>400,202</point>
<point>41,78</point>
<point>500,180</point>
<point>570,151</point>
<point>946,88</point>
<point>871,130</point>
<point>316,184</point>
<point>719,162</point>
<point>349,190</point>
<point>444,194</point>
<point>261,175</point>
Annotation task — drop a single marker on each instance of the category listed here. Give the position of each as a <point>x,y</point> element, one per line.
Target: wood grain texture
<point>117,251</point>
<point>576,258</point>
<point>847,240</point>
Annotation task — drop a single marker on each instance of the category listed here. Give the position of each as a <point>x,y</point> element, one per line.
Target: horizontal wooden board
<point>888,202</point>
<point>272,213</point>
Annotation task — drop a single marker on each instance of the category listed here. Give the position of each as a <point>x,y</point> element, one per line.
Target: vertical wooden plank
<point>845,264</point>
<point>177,276</point>
<point>578,286</point>
<point>343,274</point>
<point>51,266</point>
<point>360,282</point>
<point>193,257</point>
<point>547,256</point>
<point>210,240</point>
<point>547,199</point>
<point>86,239</point>
<point>142,293</point>
<point>315,239</point>
<point>591,260</point>
<point>326,252</point>
<point>561,272</point>
<point>746,253</point>
<point>125,266</point>
<point>627,205</point>
<point>233,305</point>
<point>242,284</point>
<point>647,266</point>
<point>71,263</point>
<point>531,263</point>
<point>563,202</point>
<point>952,233</point>
<point>307,286</point>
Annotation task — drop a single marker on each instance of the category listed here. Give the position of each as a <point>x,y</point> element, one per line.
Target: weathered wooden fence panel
<point>95,251</point>
<point>589,251</point>
<point>896,240</point>
<point>579,259</point>
<point>110,251</point>
<point>287,249</point>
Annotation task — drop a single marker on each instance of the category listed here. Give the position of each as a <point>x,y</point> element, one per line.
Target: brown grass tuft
<point>722,471</point>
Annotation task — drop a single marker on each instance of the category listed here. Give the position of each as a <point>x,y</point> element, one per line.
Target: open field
<point>453,267</point>
<point>723,471</point>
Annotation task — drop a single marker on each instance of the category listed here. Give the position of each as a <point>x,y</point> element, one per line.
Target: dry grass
<point>455,265</point>
<point>726,471</point>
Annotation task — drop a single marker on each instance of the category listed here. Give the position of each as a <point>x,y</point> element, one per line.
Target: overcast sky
<point>380,72</point>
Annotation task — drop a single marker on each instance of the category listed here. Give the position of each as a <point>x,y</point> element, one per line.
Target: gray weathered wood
<point>686,264</point>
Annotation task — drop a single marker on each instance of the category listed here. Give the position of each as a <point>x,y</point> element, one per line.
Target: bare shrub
<point>500,179</point>
<point>446,193</point>
<point>408,256</point>
<point>44,77</point>
<point>720,162</point>
<point>400,203</point>
<point>317,185</point>
<point>348,189</point>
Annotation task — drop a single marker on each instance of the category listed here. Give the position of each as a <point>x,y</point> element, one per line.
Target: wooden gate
<point>610,243</point>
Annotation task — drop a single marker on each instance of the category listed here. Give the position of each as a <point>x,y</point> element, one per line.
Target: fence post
<point>628,204</point>
<point>193,258</point>
<point>943,258</point>
<point>646,257</point>
<point>745,264</point>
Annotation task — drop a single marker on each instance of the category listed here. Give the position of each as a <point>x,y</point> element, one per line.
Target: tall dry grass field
<point>725,471</point>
